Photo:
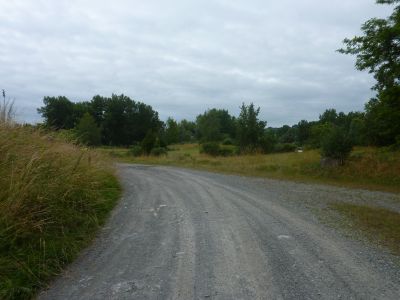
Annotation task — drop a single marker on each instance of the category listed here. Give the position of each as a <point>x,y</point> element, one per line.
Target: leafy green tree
<point>249,128</point>
<point>378,51</point>
<point>187,131</point>
<point>336,144</point>
<point>171,131</point>
<point>268,141</point>
<point>317,133</point>
<point>214,125</point>
<point>149,142</point>
<point>382,119</point>
<point>126,121</point>
<point>329,116</point>
<point>58,112</point>
<point>87,131</point>
<point>303,132</point>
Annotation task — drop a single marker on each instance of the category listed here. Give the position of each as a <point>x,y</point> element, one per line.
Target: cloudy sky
<point>184,56</point>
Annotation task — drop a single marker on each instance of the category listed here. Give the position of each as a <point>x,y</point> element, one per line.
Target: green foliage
<point>328,116</point>
<point>227,141</point>
<point>158,151</point>
<point>336,144</point>
<point>210,148</point>
<point>187,131</point>
<point>383,117</point>
<point>136,150</point>
<point>214,124</point>
<point>303,132</point>
<point>268,142</point>
<point>378,51</point>
<point>87,131</point>
<point>58,112</point>
<point>215,149</point>
<point>122,120</point>
<point>318,132</point>
<point>249,128</point>
<point>285,147</point>
<point>172,132</point>
<point>149,142</point>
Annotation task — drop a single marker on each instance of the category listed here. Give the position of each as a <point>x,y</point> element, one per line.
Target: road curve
<point>179,234</point>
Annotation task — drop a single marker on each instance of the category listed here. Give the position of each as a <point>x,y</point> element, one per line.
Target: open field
<point>368,168</point>
<point>53,198</point>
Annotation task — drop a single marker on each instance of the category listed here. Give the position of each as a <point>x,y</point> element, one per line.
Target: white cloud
<point>183,57</point>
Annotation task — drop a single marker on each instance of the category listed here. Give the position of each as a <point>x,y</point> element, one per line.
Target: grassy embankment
<point>53,198</point>
<point>375,169</point>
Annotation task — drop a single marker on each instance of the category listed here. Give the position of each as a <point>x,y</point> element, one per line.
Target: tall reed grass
<point>53,198</point>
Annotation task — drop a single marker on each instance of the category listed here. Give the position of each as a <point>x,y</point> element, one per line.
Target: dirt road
<point>179,234</point>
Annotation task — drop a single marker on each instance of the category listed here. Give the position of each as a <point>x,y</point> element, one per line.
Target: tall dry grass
<point>7,112</point>
<point>53,197</point>
<point>367,167</point>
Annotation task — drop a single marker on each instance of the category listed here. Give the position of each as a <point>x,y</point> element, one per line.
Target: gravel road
<point>180,234</point>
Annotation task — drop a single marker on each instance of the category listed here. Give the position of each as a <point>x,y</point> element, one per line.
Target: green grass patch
<point>53,198</point>
<point>380,225</point>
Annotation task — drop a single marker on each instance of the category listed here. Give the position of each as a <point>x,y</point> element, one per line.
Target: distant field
<point>369,168</point>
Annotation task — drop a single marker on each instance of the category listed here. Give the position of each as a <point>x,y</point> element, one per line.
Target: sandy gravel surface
<point>180,234</point>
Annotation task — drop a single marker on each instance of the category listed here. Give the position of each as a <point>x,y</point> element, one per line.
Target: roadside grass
<point>379,225</point>
<point>53,198</point>
<point>369,168</point>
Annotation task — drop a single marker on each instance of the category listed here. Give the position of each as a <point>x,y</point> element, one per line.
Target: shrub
<point>149,142</point>
<point>210,148</point>
<point>136,150</point>
<point>336,144</point>
<point>285,147</point>
<point>268,143</point>
<point>227,151</point>
<point>227,141</point>
<point>158,151</point>
<point>87,131</point>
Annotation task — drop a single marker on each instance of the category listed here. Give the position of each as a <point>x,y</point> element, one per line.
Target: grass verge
<point>380,225</point>
<point>53,198</point>
<point>369,168</point>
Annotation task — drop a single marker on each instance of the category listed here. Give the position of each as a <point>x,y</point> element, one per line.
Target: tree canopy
<point>122,120</point>
<point>378,51</point>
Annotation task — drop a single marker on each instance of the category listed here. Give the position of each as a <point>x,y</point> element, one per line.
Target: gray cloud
<point>183,57</point>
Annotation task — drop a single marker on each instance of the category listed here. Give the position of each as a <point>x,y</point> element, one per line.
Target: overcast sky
<point>183,57</point>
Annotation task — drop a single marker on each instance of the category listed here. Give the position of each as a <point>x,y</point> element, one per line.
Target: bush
<point>87,131</point>
<point>149,142</point>
<point>336,144</point>
<point>227,151</point>
<point>210,148</point>
<point>136,150</point>
<point>268,143</point>
<point>215,149</point>
<point>158,151</point>
<point>227,141</point>
<point>285,147</point>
